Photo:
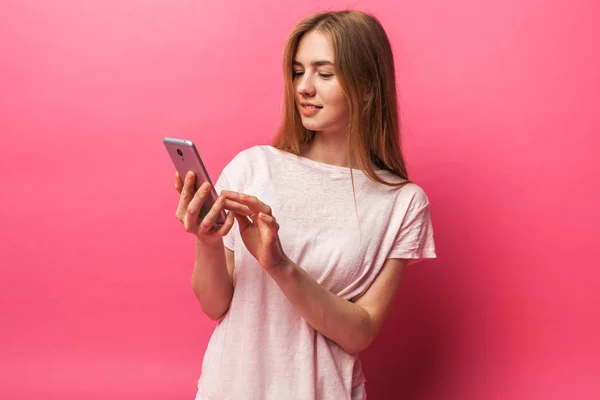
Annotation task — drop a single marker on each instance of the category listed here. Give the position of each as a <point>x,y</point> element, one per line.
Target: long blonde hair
<point>364,64</point>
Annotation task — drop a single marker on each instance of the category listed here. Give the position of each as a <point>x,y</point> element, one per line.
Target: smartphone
<point>186,158</point>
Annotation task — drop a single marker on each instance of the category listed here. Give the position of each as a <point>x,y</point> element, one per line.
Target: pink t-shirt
<point>263,349</point>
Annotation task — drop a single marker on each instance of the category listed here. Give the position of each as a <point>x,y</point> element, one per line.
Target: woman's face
<point>319,96</point>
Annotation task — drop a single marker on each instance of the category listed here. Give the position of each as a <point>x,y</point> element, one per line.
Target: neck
<point>328,149</point>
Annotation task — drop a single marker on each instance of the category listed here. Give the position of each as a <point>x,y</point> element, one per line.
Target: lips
<point>310,110</point>
<point>309,106</point>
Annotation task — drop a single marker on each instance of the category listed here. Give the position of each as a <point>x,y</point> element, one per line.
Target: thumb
<point>263,228</point>
<point>269,222</point>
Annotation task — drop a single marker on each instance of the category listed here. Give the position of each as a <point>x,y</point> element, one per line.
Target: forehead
<point>314,46</point>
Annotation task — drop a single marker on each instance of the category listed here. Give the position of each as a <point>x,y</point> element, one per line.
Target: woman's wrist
<point>284,271</point>
<point>213,245</point>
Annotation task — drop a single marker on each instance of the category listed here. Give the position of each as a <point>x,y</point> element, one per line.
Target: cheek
<point>334,96</point>
<point>340,102</point>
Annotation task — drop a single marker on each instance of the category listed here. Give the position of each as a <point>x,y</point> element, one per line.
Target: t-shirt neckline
<point>320,165</point>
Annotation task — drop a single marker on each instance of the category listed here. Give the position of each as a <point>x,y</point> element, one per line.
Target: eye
<point>325,76</point>
<point>296,74</point>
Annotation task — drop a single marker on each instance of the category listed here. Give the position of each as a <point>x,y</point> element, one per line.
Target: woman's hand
<point>258,229</point>
<point>188,210</point>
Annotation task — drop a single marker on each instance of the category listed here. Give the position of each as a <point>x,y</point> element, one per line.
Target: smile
<point>310,110</point>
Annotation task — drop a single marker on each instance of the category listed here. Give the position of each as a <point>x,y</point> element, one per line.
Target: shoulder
<point>244,158</point>
<point>409,191</point>
<point>250,162</point>
<point>415,193</point>
<point>251,154</point>
<point>410,197</point>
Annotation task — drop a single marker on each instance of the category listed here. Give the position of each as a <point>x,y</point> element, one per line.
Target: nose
<point>306,87</point>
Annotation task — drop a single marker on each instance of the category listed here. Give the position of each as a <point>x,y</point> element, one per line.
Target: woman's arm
<point>212,278</point>
<point>352,325</point>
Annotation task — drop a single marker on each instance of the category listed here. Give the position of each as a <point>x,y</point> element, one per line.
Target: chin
<point>319,127</point>
<point>312,125</point>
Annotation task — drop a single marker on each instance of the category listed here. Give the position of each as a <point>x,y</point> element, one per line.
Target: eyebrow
<point>318,63</point>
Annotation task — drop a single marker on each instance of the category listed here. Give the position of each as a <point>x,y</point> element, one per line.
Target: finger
<point>187,191</point>
<point>178,182</point>
<point>211,216</point>
<point>198,199</point>
<point>267,231</point>
<point>236,207</point>
<point>270,221</point>
<point>191,218</point>
<point>195,205</point>
<point>251,201</point>
<point>185,196</point>
<point>223,230</point>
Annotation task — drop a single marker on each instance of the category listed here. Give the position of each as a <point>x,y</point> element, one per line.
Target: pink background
<point>501,122</point>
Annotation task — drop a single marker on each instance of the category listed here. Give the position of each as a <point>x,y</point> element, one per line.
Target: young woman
<point>327,220</point>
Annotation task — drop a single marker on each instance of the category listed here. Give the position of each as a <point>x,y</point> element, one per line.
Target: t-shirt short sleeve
<point>414,240</point>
